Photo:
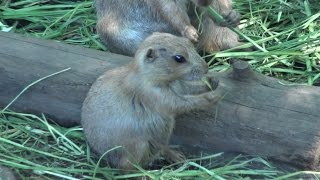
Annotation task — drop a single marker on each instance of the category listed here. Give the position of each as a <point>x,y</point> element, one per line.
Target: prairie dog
<point>122,25</point>
<point>6,174</point>
<point>214,36</point>
<point>134,106</point>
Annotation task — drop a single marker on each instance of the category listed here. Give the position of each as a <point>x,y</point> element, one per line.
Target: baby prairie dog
<point>123,25</point>
<point>134,106</point>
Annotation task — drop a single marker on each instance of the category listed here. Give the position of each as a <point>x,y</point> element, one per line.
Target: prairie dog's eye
<point>179,59</point>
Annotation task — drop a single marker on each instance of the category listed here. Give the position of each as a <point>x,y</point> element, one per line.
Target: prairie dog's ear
<point>153,53</point>
<point>150,55</point>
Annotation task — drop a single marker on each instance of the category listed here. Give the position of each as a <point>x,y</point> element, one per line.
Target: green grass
<point>288,32</point>
<point>69,21</point>
<point>38,149</point>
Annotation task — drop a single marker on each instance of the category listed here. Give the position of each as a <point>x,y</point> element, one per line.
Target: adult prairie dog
<point>134,106</point>
<point>123,25</point>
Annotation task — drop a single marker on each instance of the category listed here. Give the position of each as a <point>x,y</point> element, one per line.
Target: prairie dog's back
<point>123,24</point>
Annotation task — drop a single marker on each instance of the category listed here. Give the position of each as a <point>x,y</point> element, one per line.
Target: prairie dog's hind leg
<point>172,156</point>
<point>135,153</point>
<point>216,38</point>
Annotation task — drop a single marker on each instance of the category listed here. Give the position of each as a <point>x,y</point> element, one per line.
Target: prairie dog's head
<point>202,2</point>
<point>163,58</point>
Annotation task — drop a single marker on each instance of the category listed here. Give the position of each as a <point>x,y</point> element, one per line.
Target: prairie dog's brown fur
<point>215,37</point>
<point>122,25</point>
<point>6,174</point>
<point>134,106</point>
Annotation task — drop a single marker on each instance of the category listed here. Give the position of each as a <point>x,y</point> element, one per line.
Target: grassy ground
<point>287,31</point>
<point>38,149</point>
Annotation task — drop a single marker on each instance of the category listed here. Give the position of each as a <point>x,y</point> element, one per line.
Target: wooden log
<point>257,116</point>
<point>24,60</point>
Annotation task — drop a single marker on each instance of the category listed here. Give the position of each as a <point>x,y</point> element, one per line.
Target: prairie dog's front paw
<point>210,82</point>
<point>231,19</point>
<point>191,33</point>
<point>215,95</point>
